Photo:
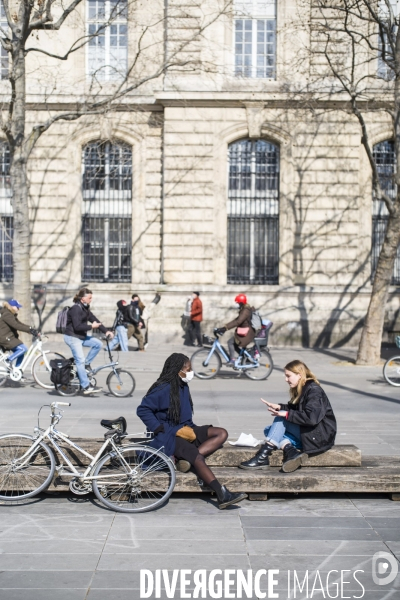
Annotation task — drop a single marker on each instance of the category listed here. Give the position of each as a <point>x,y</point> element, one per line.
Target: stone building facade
<point>214,177</point>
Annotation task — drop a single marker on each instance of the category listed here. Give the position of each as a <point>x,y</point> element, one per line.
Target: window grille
<point>6,218</point>
<point>255,39</point>
<point>253,213</point>
<point>385,160</point>
<point>108,48</point>
<point>4,62</point>
<point>107,212</point>
<point>384,50</point>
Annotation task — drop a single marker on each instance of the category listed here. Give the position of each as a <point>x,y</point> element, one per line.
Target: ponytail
<point>83,292</point>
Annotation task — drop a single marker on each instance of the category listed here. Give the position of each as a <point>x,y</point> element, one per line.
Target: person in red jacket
<point>196,317</point>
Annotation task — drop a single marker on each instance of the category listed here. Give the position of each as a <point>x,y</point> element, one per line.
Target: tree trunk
<point>369,350</point>
<point>19,184</point>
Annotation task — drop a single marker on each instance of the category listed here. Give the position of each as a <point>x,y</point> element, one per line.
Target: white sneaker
<point>91,390</point>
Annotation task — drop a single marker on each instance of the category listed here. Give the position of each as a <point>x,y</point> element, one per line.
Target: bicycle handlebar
<point>57,404</point>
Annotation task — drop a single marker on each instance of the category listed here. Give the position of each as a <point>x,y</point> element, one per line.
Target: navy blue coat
<point>153,410</point>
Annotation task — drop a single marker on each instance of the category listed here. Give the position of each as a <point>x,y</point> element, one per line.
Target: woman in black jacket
<point>306,425</point>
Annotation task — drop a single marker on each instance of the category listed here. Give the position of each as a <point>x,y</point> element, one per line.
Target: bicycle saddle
<point>119,424</point>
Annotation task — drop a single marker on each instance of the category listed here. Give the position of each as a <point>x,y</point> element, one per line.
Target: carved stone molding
<point>255,117</point>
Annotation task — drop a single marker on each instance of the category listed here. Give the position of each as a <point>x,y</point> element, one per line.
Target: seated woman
<point>167,410</point>
<point>306,425</point>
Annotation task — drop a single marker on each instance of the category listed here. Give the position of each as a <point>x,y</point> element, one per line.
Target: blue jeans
<point>281,431</point>
<point>121,338</point>
<point>76,346</point>
<point>18,353</point>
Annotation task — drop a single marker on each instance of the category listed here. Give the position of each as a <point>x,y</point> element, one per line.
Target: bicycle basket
<point>207,340</point>
<point>397,340</point>
<point>61,370</point>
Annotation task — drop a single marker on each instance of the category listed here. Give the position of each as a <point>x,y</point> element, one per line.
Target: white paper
<point>246,439</point>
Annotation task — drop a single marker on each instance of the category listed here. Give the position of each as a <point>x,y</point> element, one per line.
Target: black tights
<point>216,438</point>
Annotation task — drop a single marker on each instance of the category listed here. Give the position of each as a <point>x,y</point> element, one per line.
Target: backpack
<point>61,371</point>
<point>256,320</point>
<point>61,322</point>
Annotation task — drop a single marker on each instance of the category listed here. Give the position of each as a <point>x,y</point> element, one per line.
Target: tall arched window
<point>107,212</point>
<point>6,218</point>
<point>385,160</point>
<point>253,212</point>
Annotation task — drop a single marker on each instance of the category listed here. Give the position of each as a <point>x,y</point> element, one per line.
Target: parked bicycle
<point>255,363</point>
<point>130,478</point>
<point>120,382</point>
<point>391,368</point>
<point>35,356</point>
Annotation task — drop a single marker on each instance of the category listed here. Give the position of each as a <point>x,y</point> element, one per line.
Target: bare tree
<point>34,27</point>
<point>359,43</point>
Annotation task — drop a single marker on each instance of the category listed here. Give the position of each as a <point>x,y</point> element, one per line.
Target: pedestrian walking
<point>80,321</point>
<point>120,327</point>
<point>136,323</point>
<point>185,322</point>
<point>196,317</point>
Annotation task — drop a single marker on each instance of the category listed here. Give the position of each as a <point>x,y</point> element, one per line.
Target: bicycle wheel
<point>72,387</point>
<point>141,480</point>
<point>41,369</point>
<point>202,370</point>
<point>264,369</point>
<point>24,478</point>
<point>121,385</point>
<point>391,371</point>
<point>4,374</point>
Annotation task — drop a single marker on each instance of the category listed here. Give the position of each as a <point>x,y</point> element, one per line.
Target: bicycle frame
<point>52,435</point>
<point>34,350</point>
<point>217,347</point>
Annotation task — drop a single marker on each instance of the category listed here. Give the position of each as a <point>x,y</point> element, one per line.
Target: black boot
<point>226,498</point>
<point>292,458</point>
<point>260,460</point>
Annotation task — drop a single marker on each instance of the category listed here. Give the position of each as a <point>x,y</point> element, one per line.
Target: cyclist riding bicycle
<point>9,327</point>
<point>80,321</point>
<point>244,333</point>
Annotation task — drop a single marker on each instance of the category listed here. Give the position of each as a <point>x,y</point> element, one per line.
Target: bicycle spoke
<point>23,477</point>
<point>148,483</point>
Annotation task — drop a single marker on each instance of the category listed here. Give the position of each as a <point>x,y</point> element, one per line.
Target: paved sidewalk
<point>63,547</point>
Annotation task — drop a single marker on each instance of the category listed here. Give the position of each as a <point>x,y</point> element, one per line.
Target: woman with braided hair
<point>167,411</point>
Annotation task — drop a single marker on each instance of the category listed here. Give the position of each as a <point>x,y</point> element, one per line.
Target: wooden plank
<point>232,456</point>
<point>380,478</point>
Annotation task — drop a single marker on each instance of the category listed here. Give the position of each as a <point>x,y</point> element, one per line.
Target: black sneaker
<point>227,498</point>
<point>88,368</point>
<point>91,390</point>
<point>260,460</point>
<point>292,458</point>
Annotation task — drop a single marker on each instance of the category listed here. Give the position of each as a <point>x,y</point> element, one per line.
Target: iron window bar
<point>253,213</point>
<point>6,218</point>
<point>107,212</point>
<point>385,160</point>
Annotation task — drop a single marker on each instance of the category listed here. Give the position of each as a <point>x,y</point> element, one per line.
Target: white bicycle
<point>35,356</point>
<point>129,478</point>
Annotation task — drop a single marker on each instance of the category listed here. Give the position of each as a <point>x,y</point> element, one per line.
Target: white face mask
<point>189,376</point>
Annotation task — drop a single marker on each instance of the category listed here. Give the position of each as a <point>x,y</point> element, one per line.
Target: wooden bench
<point>341,470</point>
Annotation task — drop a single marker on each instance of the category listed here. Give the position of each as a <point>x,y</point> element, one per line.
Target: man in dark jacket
<point>9,327</point>
<point>80,321</point>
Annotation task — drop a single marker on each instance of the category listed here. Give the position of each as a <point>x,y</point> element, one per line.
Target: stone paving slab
<point>102,552</point>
